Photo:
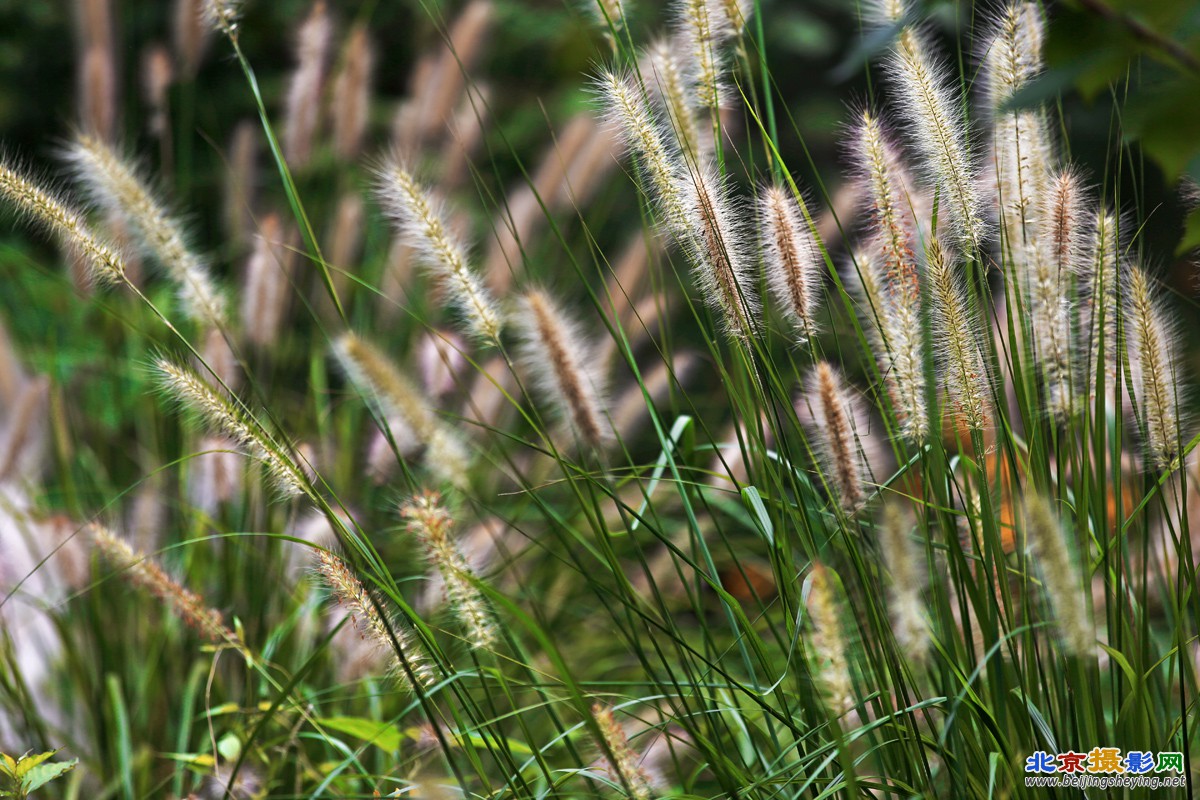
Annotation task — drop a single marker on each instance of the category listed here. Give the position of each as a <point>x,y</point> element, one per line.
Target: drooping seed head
<point>116,185</point>
<point>144,572</point>
<point>430,522</point>
<point>367,616</point>
<point>48,210</point>
<point>423,224</point>
<point>623,762</point>
<point>224,414</point>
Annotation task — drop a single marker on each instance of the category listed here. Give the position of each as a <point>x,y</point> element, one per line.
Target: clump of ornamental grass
<point>427,519</point>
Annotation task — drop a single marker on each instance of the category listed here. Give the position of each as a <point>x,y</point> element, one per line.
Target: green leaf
<point>753,501</point>
<point>384,736</point>
<point>29,762</point>
<point>1164,118</point>
<point>44,773</point>
<point>7,764</point>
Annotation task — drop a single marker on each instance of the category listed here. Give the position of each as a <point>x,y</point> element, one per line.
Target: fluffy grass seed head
<point>936,126</point>
<point>222,15</point>
<point>1060,578</point>
<point>834,419</point>
<point>223,414</point>
<point>627,111</point>
<point>791,258</point>
<point>48,210</point>
<point>391,635</point>
<point>624,764</point>
<point>352,93</point>
<point>303,101</point>
<point>1061,256</point>
<point>827,647</point>
<point>903,560</point>
<point>423,223</point>
<point>563,367</point>
<point>1014,55</point>
<point>1151,337</point>
<point>1105,277</point>
<point>716,244</point>
<point>115,185</point>
<point>703,26</point>
<point>144,572</point>
<point>664,77</point>
<point>427,519</point>
<point>378,379</point>
<point>956,330</point>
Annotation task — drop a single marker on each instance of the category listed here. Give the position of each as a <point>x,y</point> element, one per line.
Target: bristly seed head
<point>390,635</point>
<point>114,184</point>
<point>791,258</point>
<point>562,366</point>
<point>715,242</point>
<point>430,522</point>
<point>49,211</point>
<point>834,426</point>
<point>421,220</point>
<point>1152,347</point>
<point>224,414</point>
<point>827,654</point>
<point>956,329</point>
<point>1060,578</point>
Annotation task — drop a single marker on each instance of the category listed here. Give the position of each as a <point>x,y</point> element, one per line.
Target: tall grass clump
<point>622,433</point>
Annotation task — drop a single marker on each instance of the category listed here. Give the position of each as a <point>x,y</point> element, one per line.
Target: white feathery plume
<point>115,185</point>
<point>46,209</point>
<point>791,258</point>
<point>956,328</point>
<point>563,366</point>
<point>423,223</point>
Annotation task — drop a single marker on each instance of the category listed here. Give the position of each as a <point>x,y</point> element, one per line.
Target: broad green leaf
<point>44,773</point>
<point>382,735</point>
<point>29,762</point>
